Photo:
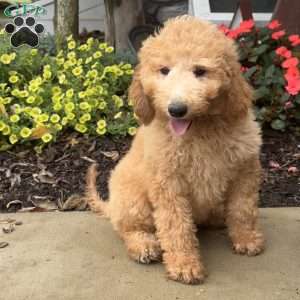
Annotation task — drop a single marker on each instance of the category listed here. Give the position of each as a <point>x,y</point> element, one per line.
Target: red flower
<point>247,25</point>
<point>284,52</point>
<point>292,72</point>
<point>294,39</point>
<point>278,34</point>
<point>224,28</point>
<point>293,86</point>
<point>234,33</point>
<point>273,25</point>
<point>244,69</point>
<point>288,105</point>
<point>290,62</point>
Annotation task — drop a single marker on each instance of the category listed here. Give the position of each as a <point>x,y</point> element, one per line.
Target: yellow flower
<point>77,71</point>
<point>118,115</point>
<point>13,79</point>
<point>2,125</point>
<point>71,55</point>
<point>64,121</point>
<point>17,108</point>
<point>2,31</point>
<point>102,105</point>
<point>132,131</point>
<point>70,116</point>
<point>97,54</point>
<point>7,100</point>
<point>127,66</point>
<point>47,74</point>
<point>55,118</point>
<point>88,60</point>
<point>79,61</point>
<point>43,118</point>
<point>67,65</point>
<point>13,139</point>
<point>6,130</point>
<point>56,90</point>
<point>62,78</point>
<point>92,73</point>
<point>57,106</point>
<point>13,56</point>
<point>70,38</point>
<point>47,137</point>
<point>103,46</point>
<point>25,132</point>
<point>69,93</point>
<point>118,101</point>
<point>34,52</point>
<point>119,72</point>
<point>36,111</point>
<point>81,128</point>
<point>30,99</point>
<point>101,131</point>
<point>129,72</point>
<point>23,94</point>
<point>14,118</point>
<point>90,41</point>
<point>15,92</point>
<point>5,59</point>
<point>58,127</point>
<point>71,45</point>
<point>84,106</point>
<point>101,124</point>
<point>56,98</point>
<point>85,117</point>
<point>130,102</point>
<point>83,47</point>
<point>109,49</point>
<point>60,61</point>
<point>69,106</point>
<point>81,95</point>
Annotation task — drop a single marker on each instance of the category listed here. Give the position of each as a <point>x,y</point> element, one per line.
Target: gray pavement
<point>74,256</point>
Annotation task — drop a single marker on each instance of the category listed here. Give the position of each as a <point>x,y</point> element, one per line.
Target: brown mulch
<point>51,180</point>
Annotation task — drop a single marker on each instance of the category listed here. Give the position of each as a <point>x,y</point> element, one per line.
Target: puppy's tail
<point>92,197</point>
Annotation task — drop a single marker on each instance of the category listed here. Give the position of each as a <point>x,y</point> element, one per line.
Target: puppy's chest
<point>206,168</point>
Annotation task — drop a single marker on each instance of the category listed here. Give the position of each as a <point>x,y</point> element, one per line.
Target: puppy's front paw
<point>185,269</point>
<point>250,243</point>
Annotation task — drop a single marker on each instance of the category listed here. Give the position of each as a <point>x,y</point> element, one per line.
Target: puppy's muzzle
<point>177,109</point>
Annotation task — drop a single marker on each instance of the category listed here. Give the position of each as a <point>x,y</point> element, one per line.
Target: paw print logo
<point>24,31</point>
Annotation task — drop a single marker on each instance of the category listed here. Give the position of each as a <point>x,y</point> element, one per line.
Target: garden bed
<point>45,182</point>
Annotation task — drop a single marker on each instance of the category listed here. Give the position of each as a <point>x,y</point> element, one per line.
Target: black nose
<point>177,109</point>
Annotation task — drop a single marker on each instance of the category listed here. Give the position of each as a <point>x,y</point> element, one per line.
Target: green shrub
<point>269,59</point>
<point>81,88</point>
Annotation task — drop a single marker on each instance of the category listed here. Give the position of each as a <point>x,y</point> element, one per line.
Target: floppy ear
<point>240,96</point>
<point>142,107</point>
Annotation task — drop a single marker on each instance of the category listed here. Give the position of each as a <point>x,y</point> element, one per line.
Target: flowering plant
<point>82,88</point>
<point>270,61</point>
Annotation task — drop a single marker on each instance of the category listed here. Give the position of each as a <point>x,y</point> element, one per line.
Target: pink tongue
<point>179,126</point>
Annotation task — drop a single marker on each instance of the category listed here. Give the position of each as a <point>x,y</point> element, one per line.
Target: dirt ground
<point>54,179</point>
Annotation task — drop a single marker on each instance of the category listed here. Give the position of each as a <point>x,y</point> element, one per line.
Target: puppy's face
<point>185,72</point>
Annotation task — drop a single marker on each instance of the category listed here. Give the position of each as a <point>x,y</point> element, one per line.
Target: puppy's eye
<point>199,72</point>
<point>164,70</point>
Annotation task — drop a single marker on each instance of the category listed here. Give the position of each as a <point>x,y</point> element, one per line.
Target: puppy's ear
<point>141,104</point>
<point>240,95</point>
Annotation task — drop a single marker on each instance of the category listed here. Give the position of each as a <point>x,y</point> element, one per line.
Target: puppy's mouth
<point>179,126</point>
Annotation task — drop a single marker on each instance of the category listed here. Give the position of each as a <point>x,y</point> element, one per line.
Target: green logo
<point>23,9</point>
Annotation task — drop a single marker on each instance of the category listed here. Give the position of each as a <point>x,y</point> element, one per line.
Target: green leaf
<point>253,59</point>
<point>260,50</point>
<point>285,97</point>
<point>270,71</point>
<point>261,92</point>
<point>297,99</point>
<point>250,72</point>
<point>278,124</point>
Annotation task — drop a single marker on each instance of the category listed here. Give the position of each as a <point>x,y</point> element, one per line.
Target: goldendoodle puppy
<point>195,158</point>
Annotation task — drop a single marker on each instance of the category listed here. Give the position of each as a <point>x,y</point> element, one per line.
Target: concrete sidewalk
<point>74,256</point>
